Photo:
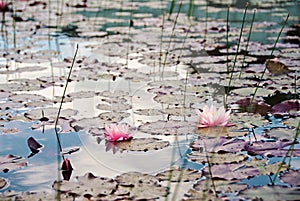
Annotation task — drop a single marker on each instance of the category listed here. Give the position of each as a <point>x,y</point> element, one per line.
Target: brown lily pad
<point>143,144</point>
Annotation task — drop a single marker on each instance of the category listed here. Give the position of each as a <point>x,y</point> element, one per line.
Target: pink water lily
<point>116,132</point>
<point>211,116</point>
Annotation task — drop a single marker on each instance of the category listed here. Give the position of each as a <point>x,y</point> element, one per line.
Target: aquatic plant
<point>211,116</point>
<point>116,132</point>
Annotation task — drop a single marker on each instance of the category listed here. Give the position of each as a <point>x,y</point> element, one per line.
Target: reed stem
<point>237,52</point>
<point>62,98</point>
<point>247,45</point>
<point>273,49</point>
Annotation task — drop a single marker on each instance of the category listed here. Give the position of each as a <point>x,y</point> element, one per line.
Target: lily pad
<point>230,171</point>
<point>281,134</point>
<point>216,158</point>
<point>11,162</point>
<point>291,177</point>
<point>50,113</point>
<point>270,149</point>
<point>271,193</point>
<point>286,108</point>
<point>292,122</point>
<point>3,182</point>
<point>87,186</point>
<point>221,144</point>
<point>179,175</point>
<point>141,186</point>
<point>143,144</point>
<point>222,186</point>
<point>219,131</point>
<point>264,167</point>
<point>172,127</point>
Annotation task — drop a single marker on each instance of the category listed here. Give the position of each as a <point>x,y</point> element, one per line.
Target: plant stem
<point>289,154</point>
<point>263,73</point>
<point>62,99</point>
<point>172,35</point>
<point>227,42</point>
<point>237,51</point>
<point>171,9</point>
<point>248,39</point>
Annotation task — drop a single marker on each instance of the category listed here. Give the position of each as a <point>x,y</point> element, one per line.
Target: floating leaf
<point>221,144</point>
<point>276,67</point>
<point>141,186</point>
<point>285,107</point>
<point>193,195</point>
<point>172,127</point>
<point>9,130</point>
<point>178,175</point>
<point>143,144</point>
<point>219,131</point>
<point>255,106</point>
<point>292,122</point>
<point>50,113</point>
<point>231,171</point>
<point>222,186</point>
<point>266,148</point>
<point>270,193</point>
<point>291,177</point>
<point>87,186</point>
<point>34,146</point>
<point>11,162</point>
<point>215,158</point>
<point>264,167</point>
<point>281,134</point>
<point>70,150</point>
<point>3,182</point>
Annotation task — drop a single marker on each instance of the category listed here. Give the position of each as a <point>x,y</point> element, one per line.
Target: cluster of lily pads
<point>165,75</point>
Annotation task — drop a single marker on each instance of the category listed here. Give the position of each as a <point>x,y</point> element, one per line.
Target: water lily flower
<point>3,6</point>
<point>116,132</point>
<point>211,116</point>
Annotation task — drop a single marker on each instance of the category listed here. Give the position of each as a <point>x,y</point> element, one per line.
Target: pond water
<point>150,65</point>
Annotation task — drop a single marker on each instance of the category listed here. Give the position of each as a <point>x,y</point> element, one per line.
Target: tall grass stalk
<point>237,51</point>
<point>171,9</point>
<point>191,9</point>
<point>289,154</point>
<point>62,98</point>
<point>129,30</point>
<point>273,49</point>
<point>227,42</point>
<point>248,39</point>
<point>171,37</point>
<point>14,27</point>
<point>206,19</point>
<point>209,170</point>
